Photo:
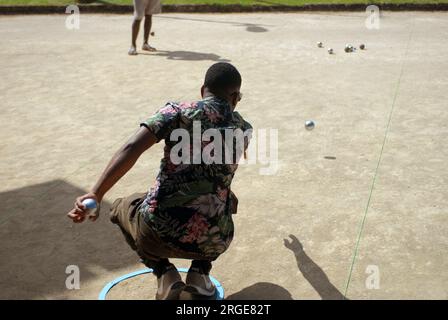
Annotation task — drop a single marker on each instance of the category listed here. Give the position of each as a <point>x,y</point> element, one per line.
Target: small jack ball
<point>320,44</point>
<point>309,125</point>
<point>362,46</point>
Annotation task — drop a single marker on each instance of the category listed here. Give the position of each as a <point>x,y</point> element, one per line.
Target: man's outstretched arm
<point>123,160</point>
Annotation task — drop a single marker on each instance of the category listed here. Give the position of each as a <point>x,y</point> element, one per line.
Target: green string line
<point>355,253</point>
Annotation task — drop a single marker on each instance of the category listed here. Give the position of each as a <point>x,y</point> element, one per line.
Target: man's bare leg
<point>135,30</point>
<point>148,25</point>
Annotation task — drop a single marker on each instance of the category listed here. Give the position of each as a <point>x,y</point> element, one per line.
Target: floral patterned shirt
<point>190,204</point>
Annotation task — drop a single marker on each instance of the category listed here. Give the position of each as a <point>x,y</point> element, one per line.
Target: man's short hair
<point>221,77</point>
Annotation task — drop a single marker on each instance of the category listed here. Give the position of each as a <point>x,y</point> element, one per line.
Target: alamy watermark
<point>72,22</point>
<point>72,282</point>
<point>226,146</point>
<point>373,278</point>
<point>373,17</point>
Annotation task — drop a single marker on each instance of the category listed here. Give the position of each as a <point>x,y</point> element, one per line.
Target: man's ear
<point>202,91</point>
<point>234,99</point>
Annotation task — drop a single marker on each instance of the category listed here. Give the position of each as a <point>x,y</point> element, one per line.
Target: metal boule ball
<point>309,125</point>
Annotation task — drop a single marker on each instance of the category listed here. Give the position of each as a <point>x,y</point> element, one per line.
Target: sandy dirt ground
<point>365,191</point>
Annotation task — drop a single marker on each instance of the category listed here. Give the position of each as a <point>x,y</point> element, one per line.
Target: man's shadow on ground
<point>312,272</point>
<point>187,56</point>
<point>270,291</point>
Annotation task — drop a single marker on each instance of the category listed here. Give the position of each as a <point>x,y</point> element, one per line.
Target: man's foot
<point>199,283</point>
<point>169,284</point>
<point>147,47</point>
<point>132,51</point>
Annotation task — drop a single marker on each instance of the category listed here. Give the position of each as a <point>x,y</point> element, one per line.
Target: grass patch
<point>223,2</point>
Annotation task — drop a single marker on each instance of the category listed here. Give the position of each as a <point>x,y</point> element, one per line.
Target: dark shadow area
<point>312,272</point>
<point>262,291</point>
<point>188,56</point>
<point>255,28</point>
<point>39,242</point>
<point>250,27</point>
<point>257,291</point>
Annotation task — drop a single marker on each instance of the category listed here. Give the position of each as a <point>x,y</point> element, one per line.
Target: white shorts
<point>146,7</point>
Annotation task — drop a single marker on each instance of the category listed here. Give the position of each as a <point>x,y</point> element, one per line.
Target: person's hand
<point>79,213</point>
<point>294,244</point>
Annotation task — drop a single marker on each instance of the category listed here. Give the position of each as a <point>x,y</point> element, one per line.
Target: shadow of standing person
<point>312,272</point>
<point>187,56</point>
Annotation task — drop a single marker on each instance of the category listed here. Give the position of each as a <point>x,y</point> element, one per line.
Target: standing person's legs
<point>139,12</point>
<point>148,24</point>
<point>152,7</point>
<point>135,30</point>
